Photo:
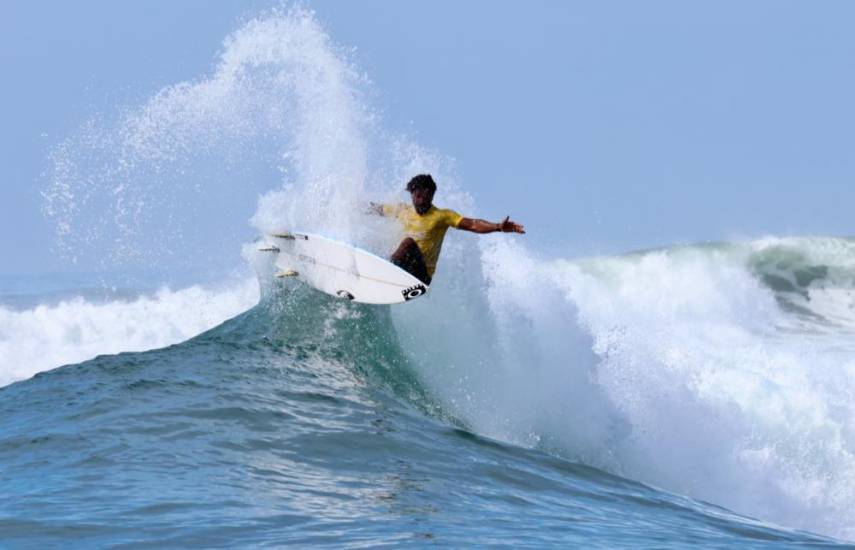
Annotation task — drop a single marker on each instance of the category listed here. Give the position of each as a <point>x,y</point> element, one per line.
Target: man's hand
<point>481,226</point>
<point>507,226</point>
<point>374,208</point>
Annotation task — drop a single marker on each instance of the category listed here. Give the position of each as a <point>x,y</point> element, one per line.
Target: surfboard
<point>341,270</point>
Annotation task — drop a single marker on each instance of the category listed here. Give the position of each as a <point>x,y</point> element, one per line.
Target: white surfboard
<point>341,270</point>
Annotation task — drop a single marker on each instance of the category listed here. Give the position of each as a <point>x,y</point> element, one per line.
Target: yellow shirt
<point>428,231</point>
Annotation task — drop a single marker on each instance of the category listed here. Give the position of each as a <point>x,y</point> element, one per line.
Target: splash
<point>280,133</point>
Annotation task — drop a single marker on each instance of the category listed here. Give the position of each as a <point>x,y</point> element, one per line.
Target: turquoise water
<point>259,433</point>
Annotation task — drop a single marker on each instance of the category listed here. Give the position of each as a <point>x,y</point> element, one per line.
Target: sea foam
<point>689,368</point>
<point>74,330</point>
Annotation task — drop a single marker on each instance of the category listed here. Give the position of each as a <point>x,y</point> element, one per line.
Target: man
<point>425,226</point>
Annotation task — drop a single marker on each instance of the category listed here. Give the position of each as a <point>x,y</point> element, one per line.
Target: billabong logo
<point>413,292</point>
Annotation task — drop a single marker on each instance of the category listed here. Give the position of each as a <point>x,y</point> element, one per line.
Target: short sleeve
<point>452,218</point>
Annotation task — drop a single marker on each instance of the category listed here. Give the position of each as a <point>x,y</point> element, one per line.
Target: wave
<point>719,371</point>
<point>689,368</point>
<point>291,421</point>
<point>76,329</point>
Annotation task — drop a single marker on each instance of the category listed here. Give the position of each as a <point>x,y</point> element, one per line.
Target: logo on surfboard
<point>413,292</point>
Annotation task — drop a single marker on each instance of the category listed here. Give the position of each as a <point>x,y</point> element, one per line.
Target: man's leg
<point>409,258</point>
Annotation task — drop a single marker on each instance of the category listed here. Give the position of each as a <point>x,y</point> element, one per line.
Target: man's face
<point>422,199</point>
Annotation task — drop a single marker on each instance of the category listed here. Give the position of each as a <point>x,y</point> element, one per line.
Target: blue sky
<point>603,126</point>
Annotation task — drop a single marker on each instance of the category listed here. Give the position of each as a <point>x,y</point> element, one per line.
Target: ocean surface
<point>174,394</point>
<point>683,396</point>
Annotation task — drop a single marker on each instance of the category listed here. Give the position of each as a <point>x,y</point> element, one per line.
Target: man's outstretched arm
<point>482,226</point>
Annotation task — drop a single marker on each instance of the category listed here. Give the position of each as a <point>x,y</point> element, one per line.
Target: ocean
<point>169,392</point>
<point>690,395</point>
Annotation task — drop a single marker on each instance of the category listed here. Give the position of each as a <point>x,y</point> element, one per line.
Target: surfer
<point>425,226</point>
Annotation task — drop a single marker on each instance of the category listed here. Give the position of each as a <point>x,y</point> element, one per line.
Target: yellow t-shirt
<point>428,230</point>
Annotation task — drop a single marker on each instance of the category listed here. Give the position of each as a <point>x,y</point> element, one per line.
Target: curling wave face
<point>721,371</point>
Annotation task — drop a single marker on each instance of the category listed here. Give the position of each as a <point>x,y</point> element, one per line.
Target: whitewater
<point>690,394</point>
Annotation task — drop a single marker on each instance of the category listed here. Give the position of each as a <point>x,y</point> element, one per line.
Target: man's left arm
<point>483,226</point>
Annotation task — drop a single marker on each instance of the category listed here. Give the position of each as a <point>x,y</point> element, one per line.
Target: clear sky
<point>604,126</point>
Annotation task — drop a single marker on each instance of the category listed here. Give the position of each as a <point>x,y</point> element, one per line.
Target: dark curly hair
<point>422,181</point>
